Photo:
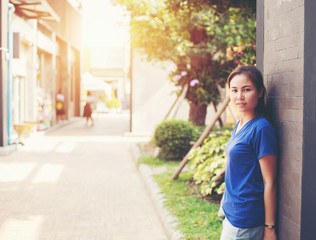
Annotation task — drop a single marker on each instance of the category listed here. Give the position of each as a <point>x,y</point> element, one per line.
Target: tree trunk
<point>197,114</point>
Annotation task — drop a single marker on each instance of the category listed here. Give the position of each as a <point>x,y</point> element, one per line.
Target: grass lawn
<point>197,217</point>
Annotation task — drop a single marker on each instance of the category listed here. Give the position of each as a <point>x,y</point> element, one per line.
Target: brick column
<point>283,64</point>
<point>308,223</point>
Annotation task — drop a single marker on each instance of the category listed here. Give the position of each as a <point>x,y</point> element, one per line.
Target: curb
<point>168,221</point>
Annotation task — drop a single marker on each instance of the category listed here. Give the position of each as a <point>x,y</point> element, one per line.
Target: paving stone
<point>76,183</point>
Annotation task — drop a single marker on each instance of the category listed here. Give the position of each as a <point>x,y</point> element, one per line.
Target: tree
<point>205,40</point>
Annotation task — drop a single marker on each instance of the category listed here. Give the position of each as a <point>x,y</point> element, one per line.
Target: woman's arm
<point>268,169</point>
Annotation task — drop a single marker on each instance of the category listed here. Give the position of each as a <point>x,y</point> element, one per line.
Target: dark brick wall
<point>308,210</point>
<point>284,77</point>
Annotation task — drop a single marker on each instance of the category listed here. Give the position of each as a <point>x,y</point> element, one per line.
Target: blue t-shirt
<point>243,202</point>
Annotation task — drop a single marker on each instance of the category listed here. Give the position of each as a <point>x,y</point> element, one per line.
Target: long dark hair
<point>256,77</point>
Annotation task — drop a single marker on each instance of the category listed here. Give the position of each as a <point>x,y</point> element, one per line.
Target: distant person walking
<point>60,106</point>
<point>88,108</point>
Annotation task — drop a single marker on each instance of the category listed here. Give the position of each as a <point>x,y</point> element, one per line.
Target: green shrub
<point>173,137</point>
<point>209,161</point>
<point>113,103</point>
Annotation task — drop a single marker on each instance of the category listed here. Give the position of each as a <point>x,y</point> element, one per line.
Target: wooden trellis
<point>177,103</point>
<point>202,137</point>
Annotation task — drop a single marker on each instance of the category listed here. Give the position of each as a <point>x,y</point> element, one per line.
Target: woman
<point>87,111</point>
<point>60,111</point>
<point>249,201</point>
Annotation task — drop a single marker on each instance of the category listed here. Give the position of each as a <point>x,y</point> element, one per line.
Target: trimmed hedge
<point>173,137</point>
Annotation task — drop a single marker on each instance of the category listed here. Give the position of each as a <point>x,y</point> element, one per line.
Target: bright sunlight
<point>103,24</point>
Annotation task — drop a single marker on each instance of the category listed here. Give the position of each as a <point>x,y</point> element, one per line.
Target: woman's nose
<point>240,95</point>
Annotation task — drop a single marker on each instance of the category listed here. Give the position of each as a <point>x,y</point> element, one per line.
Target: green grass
<point>197,218</point>
<point>156,162</point>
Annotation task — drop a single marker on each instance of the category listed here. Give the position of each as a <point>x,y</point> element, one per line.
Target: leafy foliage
<point>174,137</point>
<point>208,161</point>
<point>113,103</point>
<point>205,39</point>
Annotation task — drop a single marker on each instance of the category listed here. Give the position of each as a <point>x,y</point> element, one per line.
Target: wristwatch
<point>269,226</point>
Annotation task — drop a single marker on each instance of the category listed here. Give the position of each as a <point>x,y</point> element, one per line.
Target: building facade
<point>44,48</point>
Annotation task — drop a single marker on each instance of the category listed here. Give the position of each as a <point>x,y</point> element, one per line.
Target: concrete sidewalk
<point>76,183</point>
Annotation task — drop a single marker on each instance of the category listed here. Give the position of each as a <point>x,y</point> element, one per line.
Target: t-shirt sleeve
<point>265,142</point>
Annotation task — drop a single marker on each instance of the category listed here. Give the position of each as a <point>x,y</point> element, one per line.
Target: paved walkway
<point>76,183</point>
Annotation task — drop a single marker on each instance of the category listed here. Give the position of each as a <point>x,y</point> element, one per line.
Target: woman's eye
<point>247,89</point>
<point>233,90</point>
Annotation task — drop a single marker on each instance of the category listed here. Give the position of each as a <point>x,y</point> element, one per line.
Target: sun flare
<point>104,24</point>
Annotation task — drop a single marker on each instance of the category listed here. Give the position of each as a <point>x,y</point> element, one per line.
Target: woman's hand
<point>269,234</point>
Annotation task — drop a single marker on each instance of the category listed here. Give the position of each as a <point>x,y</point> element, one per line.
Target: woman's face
<point>244,94</point>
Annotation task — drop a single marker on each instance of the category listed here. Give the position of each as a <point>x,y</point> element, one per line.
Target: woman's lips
<point>240,104</point>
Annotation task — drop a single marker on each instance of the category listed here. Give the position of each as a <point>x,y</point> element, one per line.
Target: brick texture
<point>283,73</point>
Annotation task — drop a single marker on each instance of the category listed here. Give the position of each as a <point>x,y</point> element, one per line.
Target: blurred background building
<point>106,56</point>
<point>109,64</point>
<point>75,46</point>
<point>40,55</point>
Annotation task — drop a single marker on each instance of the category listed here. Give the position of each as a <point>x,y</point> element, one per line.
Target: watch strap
<point>269,226</point>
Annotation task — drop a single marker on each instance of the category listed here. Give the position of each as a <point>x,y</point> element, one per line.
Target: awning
<point>35,9</point>
<point>92,83</point>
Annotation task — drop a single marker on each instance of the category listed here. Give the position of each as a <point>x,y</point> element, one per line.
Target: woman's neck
<point>246,117</point>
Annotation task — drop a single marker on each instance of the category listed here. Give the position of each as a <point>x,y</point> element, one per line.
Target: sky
<point>103,24</point>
